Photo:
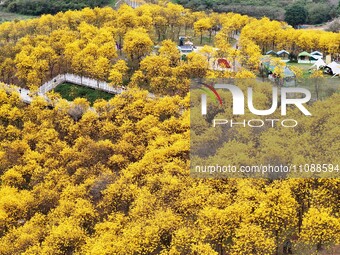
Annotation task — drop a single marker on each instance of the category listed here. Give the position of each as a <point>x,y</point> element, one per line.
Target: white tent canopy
<point>335,68</point>
<point>333,65</point>
<point>336,72</point>
<point>319,63</point>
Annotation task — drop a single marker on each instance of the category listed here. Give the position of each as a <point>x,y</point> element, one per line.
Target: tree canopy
<point>38,7</point>
<point>114,178</point>
<point>296,14</point>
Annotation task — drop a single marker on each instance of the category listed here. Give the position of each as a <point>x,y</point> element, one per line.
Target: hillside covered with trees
<point>114,178</point>
<point>38,7</point>
<point>318,11</point>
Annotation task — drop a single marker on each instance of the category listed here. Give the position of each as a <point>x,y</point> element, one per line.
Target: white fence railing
<point>52,84</point>
<point>131,3</point>
<point>78,80</point>
<point>26,96</point>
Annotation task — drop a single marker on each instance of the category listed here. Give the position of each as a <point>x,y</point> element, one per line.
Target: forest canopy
<point>114,178</point>
<point>38,7</point>
<point>318,11</point>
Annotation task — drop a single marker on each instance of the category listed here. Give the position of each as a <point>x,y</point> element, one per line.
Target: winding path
<point>27,97</point>
<point>78,80</point>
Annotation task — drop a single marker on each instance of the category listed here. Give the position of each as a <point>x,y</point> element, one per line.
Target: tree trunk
<point>277,242</point>
<point>159,35</point>
<point>120,45</point>
<point>318,247</point>
<point>178,33</point>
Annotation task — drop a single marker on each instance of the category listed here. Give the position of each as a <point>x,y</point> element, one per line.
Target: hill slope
<point>37,7</point>
<point>319,11</point>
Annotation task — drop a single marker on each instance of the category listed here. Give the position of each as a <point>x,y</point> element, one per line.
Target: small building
<point>284,55</point>
<point>317,54</point>
<point>271,53</point>
<point>268,68</point>
<point>287,73</point>
<point>306,58</point>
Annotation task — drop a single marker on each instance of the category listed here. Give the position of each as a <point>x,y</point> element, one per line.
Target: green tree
<point>319,12</point>
<point>295,15</point>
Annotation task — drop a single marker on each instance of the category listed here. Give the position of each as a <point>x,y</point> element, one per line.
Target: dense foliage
<point>71,92</point>
<point>296,15</point>
<point>334,26</point>
<point>114,178</point>
<point>318,11</point>
<point>38,7</point>
<point>115,181</point>
<point>85,43</point>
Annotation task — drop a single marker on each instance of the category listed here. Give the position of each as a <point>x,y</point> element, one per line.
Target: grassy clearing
<point>112,3</point>
<point>8,16</point>
<point>71,91</point>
